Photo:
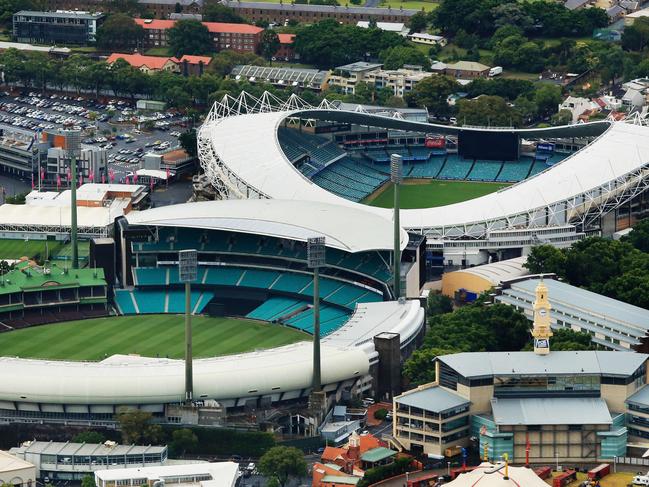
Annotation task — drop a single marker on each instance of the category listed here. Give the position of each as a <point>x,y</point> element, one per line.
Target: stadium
<point>252,271</point>
<point>477,194</point>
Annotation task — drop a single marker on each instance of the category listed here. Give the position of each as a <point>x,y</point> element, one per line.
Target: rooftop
<point>341,479</point>
<point>640,397</point>
<point>10,463</point>
<point>588,303</point>
<point>279,218</point>
<point>223,473</point>
<point>365,11</point>
<point>435,399</point>
<point>492,475</point>
<point>288,75</point>
<point>139,60</point>
<point>377,454</point>
<point>286,38</point>
<point>196,59</point>
<point>358,67</point>
<point>551,410</point>
<point>68,14</point>
<point>30,277</point>
<point>90,449</point>
<point>498,272</point>
<point>214,27</point>
<point>487,364</point>
<point>387,26</point>
<point>467,66</point>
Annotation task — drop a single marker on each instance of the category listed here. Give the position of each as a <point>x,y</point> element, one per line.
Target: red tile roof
<point>286,38</point>
<point>214,27</point>
<point>331,453</point>
<point>196,59</point>
<point>138,60</point>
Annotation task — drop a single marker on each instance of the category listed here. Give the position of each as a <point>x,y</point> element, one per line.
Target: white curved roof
<point>281,218</point>
<point>140,380</point>
<point>248,145</point>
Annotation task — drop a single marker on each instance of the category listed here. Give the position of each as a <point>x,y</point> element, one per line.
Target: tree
<point>282,463</point>
<point>136,427</point>
<point>189,143</point>
<point>419,369</point>
<point>178,8</point>
<point>562,117</point>
<point>89,437</point>
<point>223,62</point>
<point>395,57</point>
<point>639,236</point>
<point>438,304</point>
<point>216,12</point>
<point>418,22</point>
<point>566,339</point>
<point>269,44</point>
<point>182,440</point>
<point>546,259</point>
<point>88,481</point>
<point>433,93</point>
<point>119,31</point>
<point>487,111</point>
<point>547,98</point>
<point>190,37</point>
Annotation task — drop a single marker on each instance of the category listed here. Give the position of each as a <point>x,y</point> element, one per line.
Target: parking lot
<point>109,123</point>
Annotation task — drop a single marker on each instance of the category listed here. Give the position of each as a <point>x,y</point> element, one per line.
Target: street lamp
<point>557,457</point>
<point>448,468</point>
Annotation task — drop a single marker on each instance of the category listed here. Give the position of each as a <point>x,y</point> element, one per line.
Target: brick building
<point>237,37</point>
<point>304,13</point>
<point>286,51</point>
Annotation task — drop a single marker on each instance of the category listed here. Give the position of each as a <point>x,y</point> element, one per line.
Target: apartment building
<point>400,81</point>
<point>58,27</point>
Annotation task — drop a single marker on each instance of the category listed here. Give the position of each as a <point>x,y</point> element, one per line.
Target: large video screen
<point>493,146</point>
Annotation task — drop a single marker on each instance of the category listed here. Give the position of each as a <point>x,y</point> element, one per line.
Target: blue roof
<point>435,399</point>
<point>551,410</point>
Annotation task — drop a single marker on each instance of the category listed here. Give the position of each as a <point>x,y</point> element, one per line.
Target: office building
<point>58,27</point>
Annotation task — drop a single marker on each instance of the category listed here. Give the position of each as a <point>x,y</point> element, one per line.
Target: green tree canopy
<point>183,440</point>
<point>488,111</point>
<point>88,437</point>
<point>190,37</point>
<point>395,57</point>
<point>546,259</point>
<point>137,428</point>
<point>119,31</point>
<point>269,43</point>
<point>432,93</point>
<point>217,12</point>
<point>639,236</point>
<point>282,463</point>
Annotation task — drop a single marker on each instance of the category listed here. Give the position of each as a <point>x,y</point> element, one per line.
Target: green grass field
<point>147,335</point>
<point>410,4</point>
<point>38,249</point>
<point>431,193</point>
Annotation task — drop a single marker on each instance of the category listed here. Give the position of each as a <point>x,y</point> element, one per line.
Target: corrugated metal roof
<point>435,399</point>
<point>551,410</point>
<point>367,11</point>
<point>498,272</point>
<point>485,364</point>
<point>377,454</point>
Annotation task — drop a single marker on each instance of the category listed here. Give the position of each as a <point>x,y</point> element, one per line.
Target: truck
<point>495,71</point>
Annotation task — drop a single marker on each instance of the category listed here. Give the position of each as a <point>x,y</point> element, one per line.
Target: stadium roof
<point>141,380</point>
<point>587,304</point>
<point>551,410</point>
<point>435,399</point>
<point>622,148</point>
<point>349,229</point>
<point>487,364</point>
<point>90,449</point>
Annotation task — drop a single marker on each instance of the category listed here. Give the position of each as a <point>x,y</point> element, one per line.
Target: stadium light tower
<point>396,175</point>
<point>316,259</point>
<point>72,147</point>
<point>187,263</point>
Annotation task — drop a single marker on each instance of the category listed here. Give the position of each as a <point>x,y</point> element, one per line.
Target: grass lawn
<point>38,249</point>
<point>619,479</point>
<point>410,4</point>
<point>430,193</point>
<point>158,51</point>
<point>146,335</point>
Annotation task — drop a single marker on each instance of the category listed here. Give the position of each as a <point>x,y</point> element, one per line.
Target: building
<point>59,27</point>
<point>66,461</point>
<point>612,324</point>
<point>577,106</point>
<point>576,4</point>
<point>163,9</point>
<point>396,27</point>
<point>16,472</point>
<point>194,65</point>
<point>462,69</point>
<point>570,405</point>
<point>281,13</point>
<point>21,152</point>
<point>465,285</point>
<point>629,19</point>
<point>220,474</point>
<point>147,64</point>
<point>237,37</point>
<point>498,475</point>
<point>428,39</point>
<point>92,164</point>
<point>312,79</point>
<point>286,49</point>
<point>400,81</point>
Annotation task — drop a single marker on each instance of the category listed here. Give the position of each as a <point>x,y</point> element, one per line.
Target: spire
<point>541,330</point>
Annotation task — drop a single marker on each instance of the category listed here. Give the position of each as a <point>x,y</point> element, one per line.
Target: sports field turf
<point>431,193</point>
<point>148,335</point>
<point>38,249</point>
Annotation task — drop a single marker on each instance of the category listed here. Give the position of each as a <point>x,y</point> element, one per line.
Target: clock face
<point>541,343</point>
<point>542,312</point>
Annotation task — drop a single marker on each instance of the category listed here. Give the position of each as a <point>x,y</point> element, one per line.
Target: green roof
<point>377,454</point>
<point>26,277</point>
<point>341,480</point>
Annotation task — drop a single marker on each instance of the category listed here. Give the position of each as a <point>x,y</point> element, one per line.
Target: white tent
<point>489,474</point>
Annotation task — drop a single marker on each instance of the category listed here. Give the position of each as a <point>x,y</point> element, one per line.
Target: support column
<point>317,379</point>
<point>189,381</point>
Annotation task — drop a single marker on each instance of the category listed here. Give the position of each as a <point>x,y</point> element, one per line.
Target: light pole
<point>187,264</point>
<point>72,142</point>
<point>315,260</point>
<point>557,457</point>
<point>396,176</point>
<point>448,468</point>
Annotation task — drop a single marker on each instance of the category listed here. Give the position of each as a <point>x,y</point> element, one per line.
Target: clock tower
<point>541,330</point>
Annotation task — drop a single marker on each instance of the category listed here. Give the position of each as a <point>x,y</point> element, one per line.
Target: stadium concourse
<point>251,264</point>
<point>565,181</point>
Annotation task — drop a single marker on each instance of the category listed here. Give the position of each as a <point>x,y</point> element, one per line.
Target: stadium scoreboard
<point>488,145</point>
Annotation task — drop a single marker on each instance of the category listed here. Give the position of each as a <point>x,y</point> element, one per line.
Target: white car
<point>641,479</point>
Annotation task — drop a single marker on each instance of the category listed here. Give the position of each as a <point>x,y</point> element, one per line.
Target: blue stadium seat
<point>224,276</point>
<point>514,171</point>
<point>124,302</point>
<point>258,278</point>
<point>276,307</point>
<point>485,170</point>
<point>150,276</point>
<point>455,168</point>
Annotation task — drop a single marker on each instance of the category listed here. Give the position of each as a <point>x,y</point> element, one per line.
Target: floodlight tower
<point>72,140</point>
<point>315,260</point>
<point>396,176</point>
<point>187,269</point>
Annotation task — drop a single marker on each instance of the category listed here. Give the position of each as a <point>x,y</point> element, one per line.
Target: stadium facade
<point>568,181</point>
